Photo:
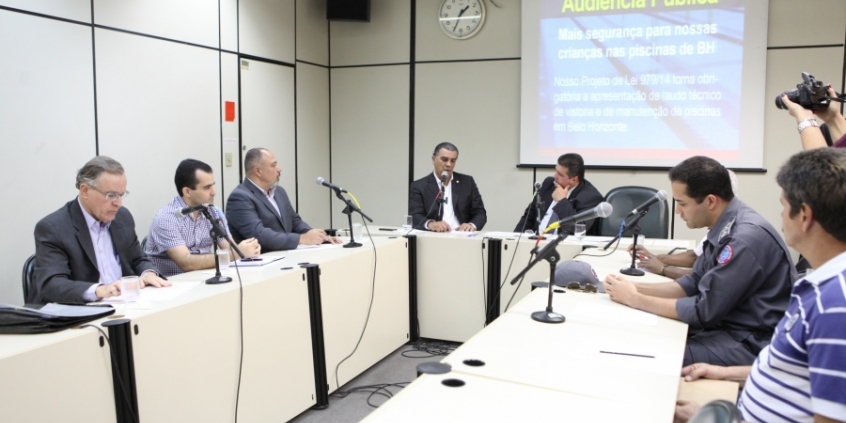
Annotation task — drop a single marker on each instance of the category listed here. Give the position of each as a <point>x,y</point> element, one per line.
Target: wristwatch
<point>807,123</point>
<point>662,269</point>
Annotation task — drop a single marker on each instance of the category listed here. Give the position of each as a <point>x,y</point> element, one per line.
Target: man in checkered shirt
<point>801,375</point>
<point>178,243</point>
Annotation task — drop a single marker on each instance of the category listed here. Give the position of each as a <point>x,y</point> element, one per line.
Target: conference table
<point>185,351</point>
<point>606,362</point>
<point>296,329</point>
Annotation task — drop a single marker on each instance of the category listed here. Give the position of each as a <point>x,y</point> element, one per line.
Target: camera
<point>810,94</point>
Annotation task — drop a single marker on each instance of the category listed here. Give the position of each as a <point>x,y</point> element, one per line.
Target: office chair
<point>656,223</point>
<point>144,245</point>
<point>719,411</point>
<point>26,276</point>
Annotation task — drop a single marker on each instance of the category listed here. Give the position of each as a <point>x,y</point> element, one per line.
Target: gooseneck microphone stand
<point>634,225</point>
<point>538,217</point>
<point>348,210</point>
<point>217,232</point>
<point>550,254</point>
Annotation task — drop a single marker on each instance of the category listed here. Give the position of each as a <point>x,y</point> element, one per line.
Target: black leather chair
<point>26,276</point>
<point>656,223</point>
<point>719,411</point>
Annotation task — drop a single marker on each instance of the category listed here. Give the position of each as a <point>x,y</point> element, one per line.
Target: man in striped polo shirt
<point>801,375</point>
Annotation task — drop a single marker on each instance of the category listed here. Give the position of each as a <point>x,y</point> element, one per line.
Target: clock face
<point>461,19</point>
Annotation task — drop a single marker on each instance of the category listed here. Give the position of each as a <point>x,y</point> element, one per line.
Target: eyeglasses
<point>111,195</point>
<point>575,286</point>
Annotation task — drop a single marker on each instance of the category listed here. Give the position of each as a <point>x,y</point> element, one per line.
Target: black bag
<point>23,320</point>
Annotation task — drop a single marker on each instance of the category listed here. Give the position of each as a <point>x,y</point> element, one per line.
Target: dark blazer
<point>66,264</point>
<point>251,215</point>
<point>584,196</point>
<point>466,201</point>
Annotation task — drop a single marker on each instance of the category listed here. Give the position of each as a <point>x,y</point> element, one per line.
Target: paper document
<point>505,235</point>
<point>151,294</point>
<point>258,261</point>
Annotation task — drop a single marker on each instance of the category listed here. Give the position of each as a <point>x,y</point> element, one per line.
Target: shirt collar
<point>828,270</point>
<point>728,215</point>
<point>262,189</point>
<point>90,221</point>
<point>438,178</point>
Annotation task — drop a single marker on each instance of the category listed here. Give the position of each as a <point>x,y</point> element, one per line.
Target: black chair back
<point>656,223</point>
<point>719,411</point>
<point>26,276</point>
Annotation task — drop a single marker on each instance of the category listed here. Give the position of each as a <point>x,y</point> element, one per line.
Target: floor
<point>355,400</point>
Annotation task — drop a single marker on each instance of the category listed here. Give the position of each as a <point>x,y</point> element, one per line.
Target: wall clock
<point>461,19</point>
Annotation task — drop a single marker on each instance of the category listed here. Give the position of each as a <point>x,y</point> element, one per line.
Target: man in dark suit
<point>562,195</point>
<point>259,208</point>
<point>84,248</point>
<point>458,206</point>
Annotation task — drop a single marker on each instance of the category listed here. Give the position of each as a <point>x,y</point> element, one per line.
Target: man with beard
<point>259,208</point>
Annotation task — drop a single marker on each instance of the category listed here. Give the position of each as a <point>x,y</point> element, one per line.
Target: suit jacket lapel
<point>263,199</point>
<point>116,231</point>
<point>457,194</point>
<point>432,187</point>
<point>83,235</point>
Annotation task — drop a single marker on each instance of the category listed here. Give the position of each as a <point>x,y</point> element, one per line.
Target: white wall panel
<point>158,103</point>
<point>313,143</point>
<point>78,10</point>
<point>498,38</point>
<point>806,23</point>
<point>385,39</point>
<point>193,21</point>
<point>229,25</point>
<point>476,106</point>
<point>267,28</point>
<point>267,120</point>
<point>47,129</point>
<point>229,89</point>
<point>312,32</point>
<point>370,141</point>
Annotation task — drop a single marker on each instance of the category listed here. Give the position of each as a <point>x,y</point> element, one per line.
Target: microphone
<point>190,209</point>
<point>325,183</point>
<point>659,196</point>
<point>444,176</point>
<point>601,210</point>
<point>537,186</point>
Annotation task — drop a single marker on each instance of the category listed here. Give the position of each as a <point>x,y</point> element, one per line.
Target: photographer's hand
<point>832,117</point>
<point>795,110</point>
<point>811,136</point>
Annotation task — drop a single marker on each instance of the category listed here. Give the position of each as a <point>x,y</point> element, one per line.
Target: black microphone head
<point>320,180</point>
<point>537,185</point>
<point>444,176</point>
<point>604,209</point>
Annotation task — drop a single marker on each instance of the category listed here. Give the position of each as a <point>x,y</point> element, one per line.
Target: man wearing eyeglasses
<point>84,248</point>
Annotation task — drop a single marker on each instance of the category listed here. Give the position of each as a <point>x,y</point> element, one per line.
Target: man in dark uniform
<point>446,201</point>
<point>562,195</point>
<point>741,283</point>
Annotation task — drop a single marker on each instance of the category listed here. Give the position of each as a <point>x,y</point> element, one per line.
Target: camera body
<point>810,94</point>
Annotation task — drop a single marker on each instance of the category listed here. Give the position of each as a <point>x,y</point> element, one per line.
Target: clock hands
<point>458,18</point>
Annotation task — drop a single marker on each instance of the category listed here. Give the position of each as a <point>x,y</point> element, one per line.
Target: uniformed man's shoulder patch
<point>725,255</point>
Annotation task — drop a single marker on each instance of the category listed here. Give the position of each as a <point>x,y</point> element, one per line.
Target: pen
<point>628,354</point>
